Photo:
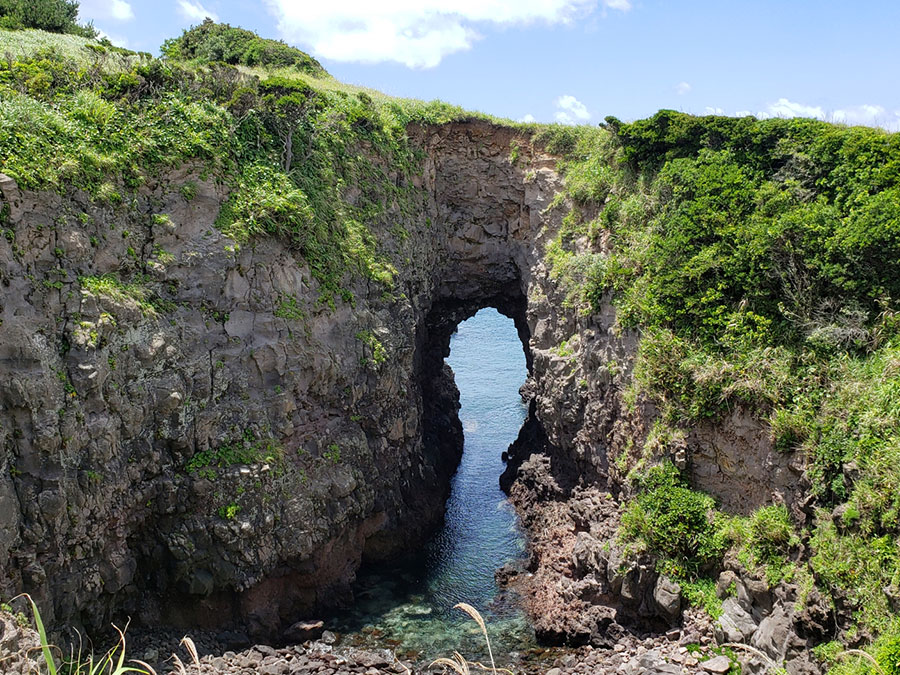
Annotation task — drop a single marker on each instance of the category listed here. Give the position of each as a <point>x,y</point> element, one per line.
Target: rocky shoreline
<point>677,651</point>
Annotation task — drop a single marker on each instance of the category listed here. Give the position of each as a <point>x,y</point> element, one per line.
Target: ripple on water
<point>409,607</point>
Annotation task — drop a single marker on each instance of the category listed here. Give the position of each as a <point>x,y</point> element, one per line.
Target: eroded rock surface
<point>212,446</point>
<point>190,436</point>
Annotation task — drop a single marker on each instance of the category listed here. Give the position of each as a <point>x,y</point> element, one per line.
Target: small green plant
<point>333,453</point>
<point>699,591</point>
<point>564,349</point>
<point>20,617</point>
<point>229,511</point>
<point>376,354</point>
<point>514,152</point>
<point>188,191</point>
<point>245,449</point>
<point>162,255</point>
<point>289,309</point>
<point>110,286</point>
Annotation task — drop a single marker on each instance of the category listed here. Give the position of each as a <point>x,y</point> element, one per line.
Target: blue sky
<point>576,61</point>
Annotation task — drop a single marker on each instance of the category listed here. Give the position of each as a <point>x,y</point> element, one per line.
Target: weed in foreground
<point>458,663</point>
<point>110,663</point>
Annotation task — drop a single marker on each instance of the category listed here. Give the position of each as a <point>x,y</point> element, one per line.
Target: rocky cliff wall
<point>189,436</point>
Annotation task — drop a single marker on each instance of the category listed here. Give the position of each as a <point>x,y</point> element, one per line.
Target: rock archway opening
<point>475,402</point>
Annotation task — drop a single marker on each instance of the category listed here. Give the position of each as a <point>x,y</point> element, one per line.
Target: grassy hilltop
<point>759,259</point>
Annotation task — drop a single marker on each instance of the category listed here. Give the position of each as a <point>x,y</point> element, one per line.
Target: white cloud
<point>92,10</point>
<point>528,119</point>
<point>194,11</point>
<point>682,88</point>
<point>785,108</point>
<point>868,115</point>
<point>121,10</point>
<point>416,33</point>
<point>571,110</point>
<point>117,40</point>
<point>714,111</point>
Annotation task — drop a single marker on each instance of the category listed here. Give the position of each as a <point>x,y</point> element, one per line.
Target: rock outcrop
<point>191,437</point>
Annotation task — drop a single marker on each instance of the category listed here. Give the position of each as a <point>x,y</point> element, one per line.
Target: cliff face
<point>189,436</point>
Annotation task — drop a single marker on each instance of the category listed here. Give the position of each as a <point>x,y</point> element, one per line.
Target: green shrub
<point>858,568</point>
<point>701,592</point>
<point>55,16</point>
<point>674,522</point>
<point>771,533</point>
<point>211,41</point>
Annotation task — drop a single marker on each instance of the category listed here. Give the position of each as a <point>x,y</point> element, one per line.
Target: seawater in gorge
<point>409,608</point>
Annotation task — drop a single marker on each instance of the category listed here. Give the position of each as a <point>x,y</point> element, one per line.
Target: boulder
<point>304,630</point>
<point>667,598</point>
<point>718,665</point>
<point>736,624</point>
<point>777,638</point>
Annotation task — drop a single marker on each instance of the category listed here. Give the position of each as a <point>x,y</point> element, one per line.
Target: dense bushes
<point>760,261</point>
<point>56,16</point>
<point>791,221</point>
<point>674,522</point>
<point>212,41</point>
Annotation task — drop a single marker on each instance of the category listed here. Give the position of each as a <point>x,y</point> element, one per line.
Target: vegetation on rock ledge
<point>760,260</point>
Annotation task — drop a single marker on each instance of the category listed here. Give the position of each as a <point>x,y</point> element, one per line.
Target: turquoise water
<point>410,608</point>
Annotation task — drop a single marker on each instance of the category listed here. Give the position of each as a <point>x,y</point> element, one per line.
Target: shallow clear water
<point>410,608</point>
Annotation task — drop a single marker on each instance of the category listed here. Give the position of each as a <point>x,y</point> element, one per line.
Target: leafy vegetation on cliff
<point>211,41</point>
<point>56,16</point>
<point>73,113</point>
<point>760,259</point>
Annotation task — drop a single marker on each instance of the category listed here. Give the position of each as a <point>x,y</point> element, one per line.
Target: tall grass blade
<point>146,666</point>
<point>472,612</point>
<point>42,633</point>
<point>457,663</point>
<point>192,650</point>
<point>179,665</point>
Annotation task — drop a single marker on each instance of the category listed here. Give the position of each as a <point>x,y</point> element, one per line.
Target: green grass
<point>110,286</point>
<point>245,449</point>
<point>77,50</point>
